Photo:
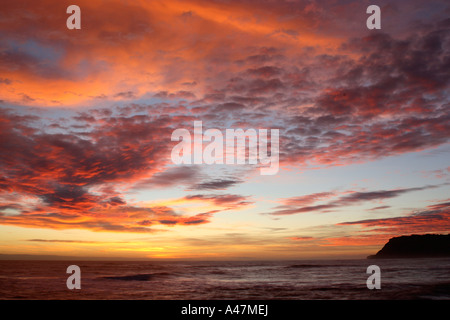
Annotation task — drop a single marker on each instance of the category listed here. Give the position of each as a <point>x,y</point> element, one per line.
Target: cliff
<point>415,246</point>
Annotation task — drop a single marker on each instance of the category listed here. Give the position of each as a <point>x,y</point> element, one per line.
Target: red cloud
<point>435,219</point>
<point>68,180</point>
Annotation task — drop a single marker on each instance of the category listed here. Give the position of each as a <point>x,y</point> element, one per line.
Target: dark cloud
<point>298,204</point>
<point>182,94</point>
<point>357,197</point>
<point>265,72</point>
<point>301,238</point>
<point>293,210</point>
<point>22,60</point>
<point>217,184</point>
<point>168,222</point>
<point>125,95</point>
<point>5,81</point>
<point>307,199</point>
<point>116,201</point>
<point>184,175</point>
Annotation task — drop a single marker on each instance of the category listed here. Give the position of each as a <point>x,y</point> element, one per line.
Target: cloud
<point>64,241</point>
<point>5,81</point>
<point>303,204</point>
<point>181,94</point>
<point>301,238</point>
<point>295,210</point>
<point>230,201</point>
<point>125,95</point>
<point>217,184</point>
<point>388,101</point>
<point>307,199</point>
<point>436,218</point>
<point>171,177</point>
<point>71,180</point>
<point>185,176</point>
<point>379,208</point>
<point>357,197</point>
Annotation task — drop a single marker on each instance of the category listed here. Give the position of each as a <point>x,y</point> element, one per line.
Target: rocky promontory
<point>415,246</point>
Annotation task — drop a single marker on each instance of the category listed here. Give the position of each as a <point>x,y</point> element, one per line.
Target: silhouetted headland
<point>415,246</point>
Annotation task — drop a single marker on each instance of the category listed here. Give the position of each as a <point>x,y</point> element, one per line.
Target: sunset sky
<point>86,118</point>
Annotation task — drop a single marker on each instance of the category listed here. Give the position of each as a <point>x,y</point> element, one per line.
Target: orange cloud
<point>141,48</point>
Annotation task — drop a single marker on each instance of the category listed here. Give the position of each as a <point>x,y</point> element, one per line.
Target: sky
<point>87,116</point>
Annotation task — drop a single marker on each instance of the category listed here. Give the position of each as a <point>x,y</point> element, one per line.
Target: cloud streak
<point>303,204</point>
<point>435,218</point>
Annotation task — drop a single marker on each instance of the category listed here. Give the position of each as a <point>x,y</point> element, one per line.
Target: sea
<point>400,279</point>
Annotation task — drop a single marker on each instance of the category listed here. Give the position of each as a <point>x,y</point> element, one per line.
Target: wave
<point>133,277</point>
<point>137,277</point>
<point>300,266</point>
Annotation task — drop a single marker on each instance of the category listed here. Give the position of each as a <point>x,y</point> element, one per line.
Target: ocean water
<point>263,280</point>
